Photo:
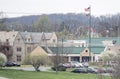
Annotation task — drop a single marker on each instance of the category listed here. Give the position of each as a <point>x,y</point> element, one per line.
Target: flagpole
<point>90,34</point>
<point>89,31</point>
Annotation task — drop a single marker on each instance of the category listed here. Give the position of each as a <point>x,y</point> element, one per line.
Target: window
<point>28,39</point>
<point>13,35</point>
<point>119,49</point>
<point>25,39</point>
<point>18,39</point>
<point>19,49</point>
<point>82,44</point>
<point>7,48</point>
<point>7,40</point>
<point>43,39</point>
<point>28,49</point>
<point>54,40</point>
<point>86,50</point>
<point>108,48</point>
<point>19,58</point>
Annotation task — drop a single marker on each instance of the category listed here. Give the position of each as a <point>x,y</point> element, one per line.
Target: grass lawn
<point>19,74</point>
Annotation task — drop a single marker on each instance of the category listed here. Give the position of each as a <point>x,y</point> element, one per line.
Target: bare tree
<point>37,61</point>
<point>108,57</point>
<point>116,73</point>
<point>37,58</point>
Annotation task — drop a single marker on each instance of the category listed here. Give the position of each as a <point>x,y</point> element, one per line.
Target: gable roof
<point>10,36</point>
<point>38,51</point>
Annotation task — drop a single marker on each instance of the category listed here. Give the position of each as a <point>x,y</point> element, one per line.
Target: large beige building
<point>14,39</point>
<point>24,42</point>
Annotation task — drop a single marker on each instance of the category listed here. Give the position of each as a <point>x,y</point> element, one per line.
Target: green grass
<point>19,74</point>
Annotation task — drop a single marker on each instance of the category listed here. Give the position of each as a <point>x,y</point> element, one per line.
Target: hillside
<point>76,24</point>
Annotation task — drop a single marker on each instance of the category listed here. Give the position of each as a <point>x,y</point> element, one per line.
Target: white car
<point>76,64</point>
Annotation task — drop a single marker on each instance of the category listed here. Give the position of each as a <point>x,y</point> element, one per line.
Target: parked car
<point>91,70</point>
<point>10,64</point>
<point>80,70</point>
<point>76,64</point>
<point>85,64</point>
<point>67,65</point>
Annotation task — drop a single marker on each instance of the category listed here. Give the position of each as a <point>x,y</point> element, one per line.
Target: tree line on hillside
<point>69,25</point>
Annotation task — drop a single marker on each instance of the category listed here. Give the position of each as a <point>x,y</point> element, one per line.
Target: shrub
<point>59,68</point>
<point>3,60</point>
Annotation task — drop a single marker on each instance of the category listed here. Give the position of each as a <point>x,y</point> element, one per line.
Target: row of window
<point>19,49</point>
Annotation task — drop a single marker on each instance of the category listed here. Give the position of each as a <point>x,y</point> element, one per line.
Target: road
<point>42,68</point>
<point>3,78</point>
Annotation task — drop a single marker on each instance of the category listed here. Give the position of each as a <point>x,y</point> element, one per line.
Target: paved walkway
<point>3,78</point>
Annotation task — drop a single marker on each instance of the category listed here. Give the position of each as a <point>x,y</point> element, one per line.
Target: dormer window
<point>29,40</point>
<point>18,39</point>
<point>108,48</point>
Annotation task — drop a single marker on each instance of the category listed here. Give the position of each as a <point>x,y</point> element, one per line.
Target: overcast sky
<point>37,7</point>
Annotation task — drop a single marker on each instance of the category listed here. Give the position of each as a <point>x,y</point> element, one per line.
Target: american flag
<point>87,9</point>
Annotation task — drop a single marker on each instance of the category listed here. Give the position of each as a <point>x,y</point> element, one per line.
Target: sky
<point>16,8</point>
